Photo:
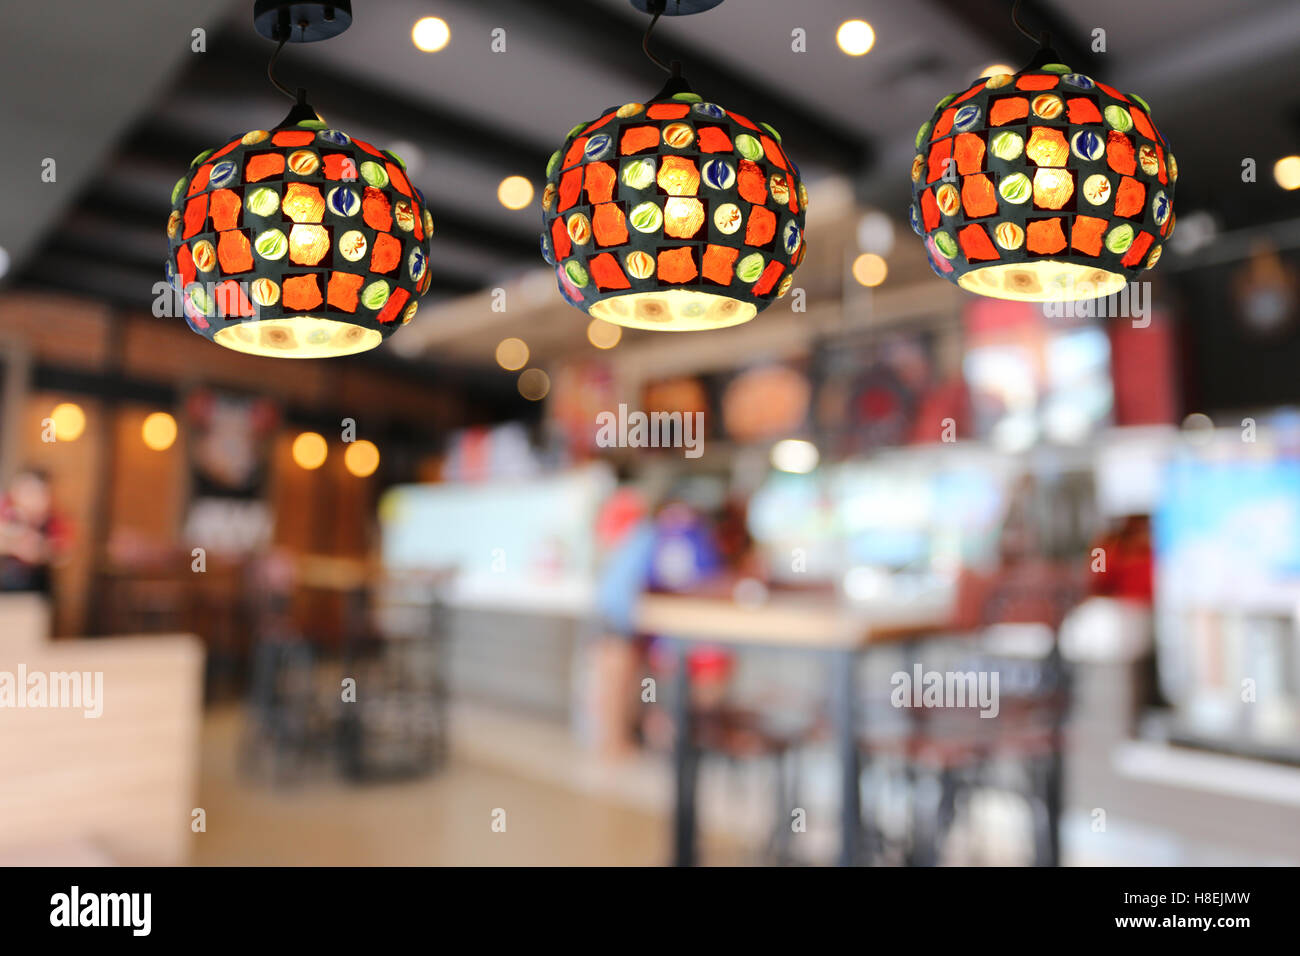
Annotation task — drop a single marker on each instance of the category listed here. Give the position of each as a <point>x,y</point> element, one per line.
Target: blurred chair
<point>945,756</point>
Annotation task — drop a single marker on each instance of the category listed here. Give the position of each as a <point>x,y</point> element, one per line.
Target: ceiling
<point>117,96</point>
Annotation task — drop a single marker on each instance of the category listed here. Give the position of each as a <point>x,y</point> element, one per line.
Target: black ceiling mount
<point>292,22</point>
<point>674,8</point>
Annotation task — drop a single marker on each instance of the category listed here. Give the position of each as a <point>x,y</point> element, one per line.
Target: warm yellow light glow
<point>855,37</point>
<point>534,384</point>
<point>675,310</point>
<point>795,456</point>
<point>870,269</point>
<point>515,192</point>
<point>997,69</point>
<point>1287,172</point>
<point>303,336</point>
<point>603,335</point>
<point>361,458</point>
<point>430,34</point>
<point>512,354</point>
<point>159,431</point>
<point>1043,281</point>
<point>69,421</point>
<point>309,451</point>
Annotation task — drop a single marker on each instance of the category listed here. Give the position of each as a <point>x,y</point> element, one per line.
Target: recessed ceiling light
<point>512,354</point>
<point>361,458</point>
<point>515,192</point>
<point>534,384</point>
<point>158,431</point>
<point>870,269</point>
<point>855,37</point>
<point>430,34</point>
<point>309,451</point>
<point>602,334</point>
<point>1287,172</point>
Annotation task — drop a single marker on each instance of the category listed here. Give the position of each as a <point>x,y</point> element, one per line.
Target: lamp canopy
<point>1042,185</point>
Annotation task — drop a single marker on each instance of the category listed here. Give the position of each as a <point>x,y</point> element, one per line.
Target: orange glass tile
<point>943,125</point>
<point>302,292</point>
<point>773,152</point>
<point>598,181</point>
<point>713,139</point>
<point>665,111</point>
<point>976,245</point>
<point>1130,197</point>
<point>969,153</point>
<point>339,166</point>
<point>386,254</point>
<point>343,290</point>
<point>607,273</point>
<point>1112,91</point>
<point>683,217</point>
<point>678,176</point>
<point>1037,81</point>
<point>263,166</point>
<point>1138,250</point>
<point>940,153</point>
<point>200,180</point>
<point>1161,174</point>
<point>574,154</point>
<point>196,213</point>
<point>929,210</point>
<point>1044,236</point>
<point>636,139</point>
<point>230,300</point>
<point>185,265</point>
<point>1119,153</point>
<point>233,144</point>
<point>1086,233</point>
<point>419,219</point>
<point>719,263</point>
<point>308,245</point>
<point>362,144</point>
<point>1142,122</point>
<point>224,205</point>
<point>293,137</point>
<point>1052,188</point>
<point>1080,109</point>
<point>1047,146</point>
<point>398,178</point>
<point>303,203</point>
<point>609,224</point>
<point>677,265</point>
<point>1008,110</point>
<point>561,244</point>
<point>751,183</point>
<point>375,210</point>
<point>761,226</point>
<point>767,281</point>
<point>971,92</point>
<point>978,197</point>
<point>570,186</point>
<point>394,306</point>
<point>742,120</point>
<point>234,252</point>
<point>600,122</point>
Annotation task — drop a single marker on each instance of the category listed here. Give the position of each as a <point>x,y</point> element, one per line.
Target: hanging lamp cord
<point>1044,40</point>
<point>270,66</point>
<point>658,6</point>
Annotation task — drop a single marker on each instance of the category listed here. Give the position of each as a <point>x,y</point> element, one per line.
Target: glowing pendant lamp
<point>675,214</point>
<point>298,241</point>
<point>1043,185</point>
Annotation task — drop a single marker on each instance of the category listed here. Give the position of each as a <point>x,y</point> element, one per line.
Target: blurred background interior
<point>639,656</point>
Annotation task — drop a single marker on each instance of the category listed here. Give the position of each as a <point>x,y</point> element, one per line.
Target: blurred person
<point>33,536</point>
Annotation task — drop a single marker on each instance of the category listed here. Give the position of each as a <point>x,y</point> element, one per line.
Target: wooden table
<point>816,625</point>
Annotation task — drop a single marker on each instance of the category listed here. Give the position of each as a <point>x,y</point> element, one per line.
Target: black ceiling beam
<point>595,32</point>
<point>990,20</point>
<point>236,63</point>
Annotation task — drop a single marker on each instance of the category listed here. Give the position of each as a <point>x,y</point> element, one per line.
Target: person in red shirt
<point>32,535</point>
